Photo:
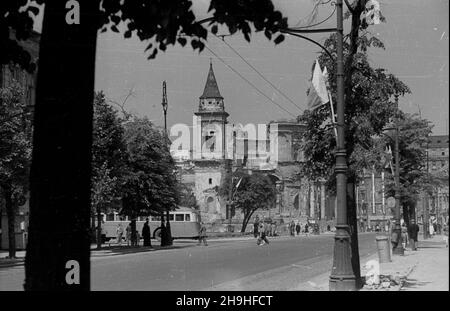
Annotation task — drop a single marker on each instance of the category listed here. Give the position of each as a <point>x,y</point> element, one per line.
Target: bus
<point>184,224</point>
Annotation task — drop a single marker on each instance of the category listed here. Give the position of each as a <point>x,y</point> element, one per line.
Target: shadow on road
<point>124,250</point>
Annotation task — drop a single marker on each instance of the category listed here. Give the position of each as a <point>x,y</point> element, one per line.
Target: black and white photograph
<point>224,152</point>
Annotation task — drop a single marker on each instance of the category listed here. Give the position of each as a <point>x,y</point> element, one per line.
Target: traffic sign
<point>390,202</point>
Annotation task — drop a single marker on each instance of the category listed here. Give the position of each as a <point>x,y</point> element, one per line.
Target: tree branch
<point>350,7</point>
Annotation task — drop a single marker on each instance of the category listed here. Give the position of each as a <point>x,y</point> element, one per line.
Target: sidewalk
<point>426,269</point>
<point>423,270</point>
<point>431,266</point>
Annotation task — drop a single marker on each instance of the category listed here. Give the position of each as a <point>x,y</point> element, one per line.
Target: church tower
<point>211,119</point>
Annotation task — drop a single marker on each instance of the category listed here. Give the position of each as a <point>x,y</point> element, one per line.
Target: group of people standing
<point>132,234</point>
<point>410,235</point>
<point>295,228</point>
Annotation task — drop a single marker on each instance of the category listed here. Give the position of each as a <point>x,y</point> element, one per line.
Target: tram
<point>184,224</point>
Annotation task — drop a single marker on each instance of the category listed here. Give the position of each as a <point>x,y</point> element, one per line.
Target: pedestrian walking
<point>262,235</point>
<point>298,228</point>
<point>446,234</point>
<point>272,229</point>
<point>292,228</point>
<point>413,231</point>
<point>404,235</point>
<point>255,229</point>
<point>146,234</point>
<point>306,229</point>
<point>202,234</point>
<point>119,232</point>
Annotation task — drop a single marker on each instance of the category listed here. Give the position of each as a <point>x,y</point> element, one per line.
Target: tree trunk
<point>406,214</point>
<point>93,231</point>
<point>99,229</point>
<point>246,220</point>
<point>169,233</point>
<point>11,214</point>
<point>61,159</point>
<point>353,225</point>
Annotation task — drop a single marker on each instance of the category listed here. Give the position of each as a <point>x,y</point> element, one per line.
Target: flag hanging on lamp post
<point>318,94</point>
<point>333,116</point>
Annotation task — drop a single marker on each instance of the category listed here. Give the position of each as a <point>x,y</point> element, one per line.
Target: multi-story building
<point>8,74</point>
<point>372,209</point>
<point>437,165</point>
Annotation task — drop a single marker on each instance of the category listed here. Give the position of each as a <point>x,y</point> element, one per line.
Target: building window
<point>443,152</point>
<point>210,181</point>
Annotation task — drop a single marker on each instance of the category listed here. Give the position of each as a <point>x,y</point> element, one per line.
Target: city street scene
<point>239,145</point>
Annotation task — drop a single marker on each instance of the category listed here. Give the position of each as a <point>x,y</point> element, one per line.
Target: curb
<point>12,263</point>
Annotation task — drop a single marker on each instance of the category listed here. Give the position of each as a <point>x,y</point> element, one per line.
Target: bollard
<point>384,251</point>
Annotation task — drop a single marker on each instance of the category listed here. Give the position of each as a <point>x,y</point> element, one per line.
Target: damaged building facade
<point>274,149</point>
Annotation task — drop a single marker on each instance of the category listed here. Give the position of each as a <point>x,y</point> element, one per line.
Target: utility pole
<point>230,189</point>
<point>165,105</point>
<point>426,202</point>
<point>230,196</point>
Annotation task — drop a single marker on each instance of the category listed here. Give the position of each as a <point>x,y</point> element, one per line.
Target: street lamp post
<point>397,232</point>
<point>342,276</point>
<point>398,248</point>
<point>165,105</point>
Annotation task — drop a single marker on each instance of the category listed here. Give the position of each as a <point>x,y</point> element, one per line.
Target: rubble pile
<point>384,282</point>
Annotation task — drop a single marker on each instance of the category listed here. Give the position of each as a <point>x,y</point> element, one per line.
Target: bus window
<point>187,217</point>
<point>170,217</point>
<point>141,218</point>
<point>110,217</point>
<point>122,217</point>
<point>179,217</point>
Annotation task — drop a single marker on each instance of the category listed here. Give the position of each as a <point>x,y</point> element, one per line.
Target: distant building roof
<point>211,89</point>
<point>438,141</point>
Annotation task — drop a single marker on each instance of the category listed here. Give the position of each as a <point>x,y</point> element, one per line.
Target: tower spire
<point>211,89</point>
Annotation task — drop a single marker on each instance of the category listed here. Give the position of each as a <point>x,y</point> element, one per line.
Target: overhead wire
<point>246,80</point>
<point>260,74</point>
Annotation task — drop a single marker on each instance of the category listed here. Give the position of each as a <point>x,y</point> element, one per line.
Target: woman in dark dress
<point>146,234</point>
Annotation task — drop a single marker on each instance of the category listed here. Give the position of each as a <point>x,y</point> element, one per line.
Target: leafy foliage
<point>187,196</point>
<point>161,23</point>
<point>17,15</point>
<point>108,156</point>
<point>255,191</point>
<point>15,153</point>
<point>15,140</point>
<point>150,184</point>
<point>369,105</point>
<point>414,178</point>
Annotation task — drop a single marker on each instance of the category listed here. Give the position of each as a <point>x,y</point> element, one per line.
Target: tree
<point>150,184</point>
<point>187,196</point>
<point>60,170</point>
<point>108,159</point>
<point>15,155</point>
<point>414,178</point>
<point>255,191</point>
<point>369,105</point>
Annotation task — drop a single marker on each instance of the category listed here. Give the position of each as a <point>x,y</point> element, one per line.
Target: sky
<point>415,35</point>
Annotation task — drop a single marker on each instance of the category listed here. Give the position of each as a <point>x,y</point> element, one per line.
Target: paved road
<point>193,267</point>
